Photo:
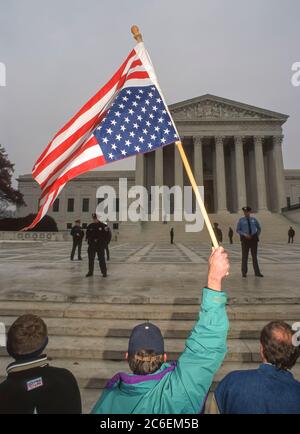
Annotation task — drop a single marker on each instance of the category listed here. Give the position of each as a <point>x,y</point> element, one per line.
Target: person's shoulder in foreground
<point>269,389</point>
<point>155,386</point>
<point>32,386</point>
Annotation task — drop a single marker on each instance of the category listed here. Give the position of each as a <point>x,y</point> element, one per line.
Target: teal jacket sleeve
<point>204,352</point>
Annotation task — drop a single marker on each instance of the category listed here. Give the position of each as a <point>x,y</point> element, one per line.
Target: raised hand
<point>218,268</point>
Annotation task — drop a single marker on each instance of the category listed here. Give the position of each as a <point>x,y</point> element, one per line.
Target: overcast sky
<point>58,53</point>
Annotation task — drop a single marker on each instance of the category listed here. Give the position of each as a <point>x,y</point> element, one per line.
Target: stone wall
<point>34,236</point>
<point>293,216</point>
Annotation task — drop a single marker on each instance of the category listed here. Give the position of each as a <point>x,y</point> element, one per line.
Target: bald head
<point>277,345</point>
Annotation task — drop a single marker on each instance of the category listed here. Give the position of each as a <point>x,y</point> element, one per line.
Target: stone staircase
<point>91,339</point>
<point>274,229</point>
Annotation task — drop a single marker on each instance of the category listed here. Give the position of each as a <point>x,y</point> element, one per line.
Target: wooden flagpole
<point>197,194</point>
<point>138,37</point>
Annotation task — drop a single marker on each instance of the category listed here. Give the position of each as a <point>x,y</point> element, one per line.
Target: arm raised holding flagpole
<point>138,37</point>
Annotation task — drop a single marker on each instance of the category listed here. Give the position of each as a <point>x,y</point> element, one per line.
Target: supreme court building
<point>235,151</point>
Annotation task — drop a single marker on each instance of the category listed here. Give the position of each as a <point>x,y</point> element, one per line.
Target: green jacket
<point>179,387</point>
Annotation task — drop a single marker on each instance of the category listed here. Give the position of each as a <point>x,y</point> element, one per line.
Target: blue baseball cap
<point>146,336</point>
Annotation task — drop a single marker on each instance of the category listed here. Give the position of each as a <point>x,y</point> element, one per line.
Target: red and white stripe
<point>74,149</point>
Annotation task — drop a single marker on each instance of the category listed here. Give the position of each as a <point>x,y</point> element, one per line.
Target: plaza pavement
<point>145,272</point>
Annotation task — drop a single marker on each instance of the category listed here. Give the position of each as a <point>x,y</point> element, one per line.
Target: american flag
<point>126,117</point>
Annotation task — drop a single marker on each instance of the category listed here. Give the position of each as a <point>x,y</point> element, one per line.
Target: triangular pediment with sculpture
<point>212,108</point>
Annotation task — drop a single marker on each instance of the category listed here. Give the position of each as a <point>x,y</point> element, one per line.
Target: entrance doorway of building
<point>209,196</point>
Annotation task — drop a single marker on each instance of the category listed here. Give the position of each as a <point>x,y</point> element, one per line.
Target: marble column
<point>178,168</point>
<point>240,173</point>
<point>279,172</point>
<point>140,170</point>
<point>159,167</point>
<point>198,160</point>
<point>178,181</point>
<point>220,175</point>
<point>260,174</point>
<point>159,176</point>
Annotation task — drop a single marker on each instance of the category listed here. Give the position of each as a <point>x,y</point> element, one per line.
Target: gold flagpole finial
<point>136,34</point>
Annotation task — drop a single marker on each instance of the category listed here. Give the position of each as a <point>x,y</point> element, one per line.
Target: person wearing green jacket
<point>158,387</point>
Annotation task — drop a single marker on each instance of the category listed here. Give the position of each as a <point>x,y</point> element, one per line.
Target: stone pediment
<point>212,108</point>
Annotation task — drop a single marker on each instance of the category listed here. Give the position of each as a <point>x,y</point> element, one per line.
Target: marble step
<point>103,348</point>
<point>177,329</point>
<point>163,299</point>
<point>142,312</point>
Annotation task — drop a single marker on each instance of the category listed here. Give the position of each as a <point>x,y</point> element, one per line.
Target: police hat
<point>247,208</point>
<point>77,221</point>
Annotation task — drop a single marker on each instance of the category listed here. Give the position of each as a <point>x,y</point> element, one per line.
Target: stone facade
<point>292,187</point>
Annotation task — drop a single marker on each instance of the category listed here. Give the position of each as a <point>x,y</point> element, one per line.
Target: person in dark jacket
<point>230,235</point>
<point>108,238</point>
<point>172,235</point>
<point>218,232</point>
<point>32,385</point>
<point>269,389</point>
<point>291,234</point>
<point>77,235</point>
<point>97,235</point>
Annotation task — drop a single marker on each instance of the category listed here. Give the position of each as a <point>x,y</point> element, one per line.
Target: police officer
<point>96,236</point>
<point>172,235</point>
<point>230,235</point>
<point>109,236</point>
<point>291,234</point>
<point>77,234</point>
<point>218,232</point>
<point>249,230</point>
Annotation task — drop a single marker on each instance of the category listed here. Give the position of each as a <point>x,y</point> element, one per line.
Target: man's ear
<point>126,356</point>
<point>165,358</point>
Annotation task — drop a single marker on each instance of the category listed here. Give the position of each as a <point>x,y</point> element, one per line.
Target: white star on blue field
<point>136,122</point>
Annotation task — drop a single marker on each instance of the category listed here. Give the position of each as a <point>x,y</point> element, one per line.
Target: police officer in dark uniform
<point>291,234</point>
<point>109,236</point>
<point>172,235</point>
<point>77,234</point>
<point>230,235</point>
<point>218,232</point>
<point>249,230</point>
<point>97,236</point>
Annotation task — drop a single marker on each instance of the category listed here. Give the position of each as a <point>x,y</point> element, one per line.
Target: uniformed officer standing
<point>218,232</point>
<point>249,230</point>
<point>77,234</point>
<point>109,236</point>
<point>96,236</point>
<point>172,235</point>
<point>230,235</point>
<point>291,234</point>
